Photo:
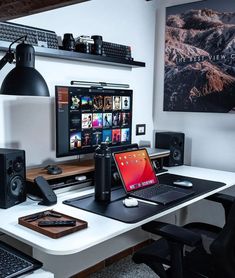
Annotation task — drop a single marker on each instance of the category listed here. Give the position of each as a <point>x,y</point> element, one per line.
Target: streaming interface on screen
<point>85,117</point>
<point>135,169</point>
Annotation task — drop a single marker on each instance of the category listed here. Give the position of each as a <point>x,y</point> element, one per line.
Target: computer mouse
<point>53,170</point>
<point>130,202</point>
<point>183,183</point>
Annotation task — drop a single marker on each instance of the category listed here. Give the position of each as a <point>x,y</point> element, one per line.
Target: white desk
<point>40,273</point>
<point>100,229</point>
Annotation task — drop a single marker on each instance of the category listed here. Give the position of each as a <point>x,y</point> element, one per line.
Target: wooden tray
<point>53,232</point>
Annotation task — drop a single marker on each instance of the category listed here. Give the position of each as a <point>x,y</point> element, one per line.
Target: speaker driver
<point>16,186</point>
<point>176,155</point>
<point>18,164</point>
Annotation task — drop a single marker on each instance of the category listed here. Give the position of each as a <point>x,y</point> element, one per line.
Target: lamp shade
<point>24,79</point>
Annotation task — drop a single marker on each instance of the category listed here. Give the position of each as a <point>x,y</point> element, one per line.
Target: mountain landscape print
<point>200,57</point>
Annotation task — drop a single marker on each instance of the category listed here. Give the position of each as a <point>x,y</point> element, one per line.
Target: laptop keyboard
<point>14,263</point>
<point>149,192</point>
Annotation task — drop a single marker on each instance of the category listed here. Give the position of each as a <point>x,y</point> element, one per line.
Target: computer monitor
<point>85,117</point>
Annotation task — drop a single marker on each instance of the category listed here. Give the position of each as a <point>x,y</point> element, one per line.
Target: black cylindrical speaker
<point>12,177</point>
<point>173,141</point>
<point>103,173</point>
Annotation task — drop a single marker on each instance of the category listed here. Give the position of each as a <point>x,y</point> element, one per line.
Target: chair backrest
<point>223,248</point>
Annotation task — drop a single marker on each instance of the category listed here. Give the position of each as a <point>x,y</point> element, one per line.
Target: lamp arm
<point>7,58</point>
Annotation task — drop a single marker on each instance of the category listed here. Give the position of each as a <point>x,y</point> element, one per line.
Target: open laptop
<point>140,181</point>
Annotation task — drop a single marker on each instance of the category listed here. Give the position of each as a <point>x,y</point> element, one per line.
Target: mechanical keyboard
<point>9,32</point>
<point>116,50</point>
<point>14,262</point>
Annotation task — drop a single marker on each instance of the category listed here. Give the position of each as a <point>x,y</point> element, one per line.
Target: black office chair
<point>183,251</point>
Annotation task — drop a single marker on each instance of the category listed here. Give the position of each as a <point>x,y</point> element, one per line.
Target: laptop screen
<point>135,169</point>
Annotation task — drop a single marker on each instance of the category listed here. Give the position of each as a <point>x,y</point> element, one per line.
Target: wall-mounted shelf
<point>16,8</point>
<point>80,57</point>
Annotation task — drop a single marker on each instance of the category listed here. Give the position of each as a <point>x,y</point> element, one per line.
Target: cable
<point>9,56</point>
<point>25,38</point>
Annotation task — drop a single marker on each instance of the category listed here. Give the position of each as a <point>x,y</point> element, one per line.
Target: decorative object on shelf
<point>84,44</point>
<point>68,42</point>
<point>97,46</point>
<point>199,57</point>
<point>24,79</point>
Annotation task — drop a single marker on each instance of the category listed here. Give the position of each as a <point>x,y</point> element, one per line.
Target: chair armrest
<point>222,198</point>
<point>173,233</point>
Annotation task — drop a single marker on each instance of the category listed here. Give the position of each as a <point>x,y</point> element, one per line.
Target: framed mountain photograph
<point>200,57</point>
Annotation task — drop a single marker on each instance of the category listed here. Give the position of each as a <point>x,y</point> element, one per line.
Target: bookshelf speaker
<point>173,141</point>
<point>12,177</point>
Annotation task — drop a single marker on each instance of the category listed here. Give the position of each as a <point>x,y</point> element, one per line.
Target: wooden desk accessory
<point>31,222</point>
<point>71,171</point>
<point>68,169</point>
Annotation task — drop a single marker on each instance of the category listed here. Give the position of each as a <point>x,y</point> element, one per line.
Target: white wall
<point>210,137</point>
<point>29,122</point>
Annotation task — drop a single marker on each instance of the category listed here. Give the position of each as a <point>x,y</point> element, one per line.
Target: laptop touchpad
<point>168,197</point>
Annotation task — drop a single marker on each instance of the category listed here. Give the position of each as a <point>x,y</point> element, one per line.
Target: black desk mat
<point>116,210</point>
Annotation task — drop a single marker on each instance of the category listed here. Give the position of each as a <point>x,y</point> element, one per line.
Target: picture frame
<point>200,57</point>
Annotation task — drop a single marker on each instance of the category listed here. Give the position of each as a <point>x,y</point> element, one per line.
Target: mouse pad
<point>116,210</point>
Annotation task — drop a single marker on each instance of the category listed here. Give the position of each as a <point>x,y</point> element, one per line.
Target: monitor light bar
<point>99,84</point>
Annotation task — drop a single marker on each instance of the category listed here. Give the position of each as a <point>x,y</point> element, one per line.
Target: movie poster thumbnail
<point>75,140</point>
<point>116,119</point>
<point>107,135</point>
<point>107,119</point>
<point>75,121</point>
<point>86,120</point>
<point>86,139</point>
<point>97,120</point>
<point>108,103</point>
<point>125,134</point>
<point>116,135</point>
<point>96,138</point>
<point>98,102</point>
<point>117,103</point>
<point>74,102</point>
<point>125,119</point>
<point>126,104</point>
<point>86,103</point>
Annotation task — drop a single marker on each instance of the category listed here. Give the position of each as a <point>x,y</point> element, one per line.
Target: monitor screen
<point>85,117</point>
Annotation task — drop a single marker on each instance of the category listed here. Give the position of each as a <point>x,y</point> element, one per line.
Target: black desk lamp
<point>24,79</point>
